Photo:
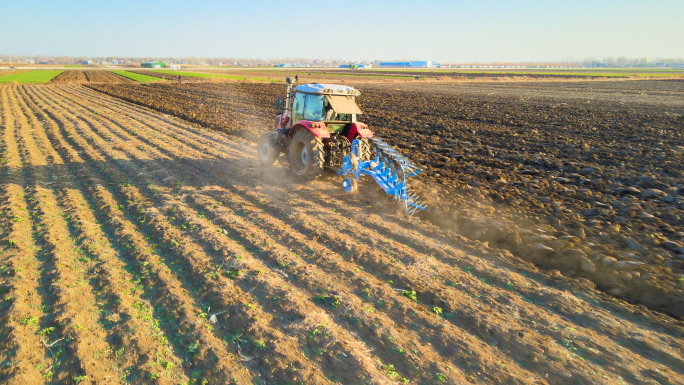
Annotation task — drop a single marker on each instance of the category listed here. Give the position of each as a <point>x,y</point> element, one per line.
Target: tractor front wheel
<point>267,149</point>
<point>306,155</point>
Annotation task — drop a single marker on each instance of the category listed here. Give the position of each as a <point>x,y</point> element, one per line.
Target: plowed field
<point>172,77</point>
<point>139,248</point>
<point>560,174</point>
<point>89,76</point>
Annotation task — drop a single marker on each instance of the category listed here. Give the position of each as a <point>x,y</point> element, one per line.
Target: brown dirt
<point>546,177</point>
<point>172,77</point>
<point>89,76</point>
<point>139,248</point>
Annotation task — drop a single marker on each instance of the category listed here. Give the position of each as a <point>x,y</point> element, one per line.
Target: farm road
<point>136,247</point>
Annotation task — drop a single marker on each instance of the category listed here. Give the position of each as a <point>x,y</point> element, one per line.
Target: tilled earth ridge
<point>139,248</point>
<point>560,182</point>
<point>89,76</point>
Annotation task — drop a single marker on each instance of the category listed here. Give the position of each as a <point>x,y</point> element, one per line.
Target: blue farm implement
<point>388,168</point>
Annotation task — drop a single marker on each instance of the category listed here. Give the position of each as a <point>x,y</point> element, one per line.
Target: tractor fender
<point>318,129</point>
<point>359,129</point>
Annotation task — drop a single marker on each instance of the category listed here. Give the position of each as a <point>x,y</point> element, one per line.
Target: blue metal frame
<point>380,169</point>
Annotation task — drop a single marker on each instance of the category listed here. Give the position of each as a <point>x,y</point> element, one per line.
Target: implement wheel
<point>306,155</point>
<point>364,150</point>
<point>267,150</point>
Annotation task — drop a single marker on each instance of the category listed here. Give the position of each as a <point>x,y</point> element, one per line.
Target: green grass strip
<point>137,77</point>
<point>38,76</point>
<point>73,66</point>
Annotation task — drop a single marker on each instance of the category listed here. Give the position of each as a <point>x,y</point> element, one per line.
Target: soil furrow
<point>152,173</point>
<point>152,250</point>
<point>516,343</point>
<point>208,139</point>
<point>165,299</point>
<point>73,309</point>
<point>195,256</point>
<point>490,296</point>
<point>392,344</point>
<point>61,360</point>
<point>299,313</point>
<point>398,364</point>
<point>579,311</point>
<point>20,309</point>
<point>114,286</point>
<point>509,363</point>
<point>138,140</point>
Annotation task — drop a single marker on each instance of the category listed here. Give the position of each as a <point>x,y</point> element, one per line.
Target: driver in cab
<point>314,108</point>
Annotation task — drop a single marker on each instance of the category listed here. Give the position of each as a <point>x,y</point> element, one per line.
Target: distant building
<point>153,65</point>
<point>409,64</point>
<point>292,65</point>
<point>356,66</point>
<point>175,67</point>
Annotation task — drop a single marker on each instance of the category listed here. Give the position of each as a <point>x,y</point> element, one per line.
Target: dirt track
<point>139,248</point>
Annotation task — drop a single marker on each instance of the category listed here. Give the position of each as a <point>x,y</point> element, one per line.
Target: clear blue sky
<point>447,31</point>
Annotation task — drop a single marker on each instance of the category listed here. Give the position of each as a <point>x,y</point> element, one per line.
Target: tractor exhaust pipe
<point>289,93</point>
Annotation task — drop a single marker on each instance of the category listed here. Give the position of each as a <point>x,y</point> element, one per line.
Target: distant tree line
<point>621,61</point>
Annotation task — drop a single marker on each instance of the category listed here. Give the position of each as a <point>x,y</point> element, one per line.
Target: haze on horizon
<point>438,30</point>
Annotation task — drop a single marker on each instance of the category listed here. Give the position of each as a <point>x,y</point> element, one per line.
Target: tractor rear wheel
<point>306,155</point>
<point>267,149</point>
<point>364,150</point>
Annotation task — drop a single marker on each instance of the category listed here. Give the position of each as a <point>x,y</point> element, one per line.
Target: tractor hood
<point>343,104</point>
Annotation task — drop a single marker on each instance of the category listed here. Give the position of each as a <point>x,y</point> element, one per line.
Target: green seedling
<point>410,294</point>
<point>260,344</point>
<point>332,300</point>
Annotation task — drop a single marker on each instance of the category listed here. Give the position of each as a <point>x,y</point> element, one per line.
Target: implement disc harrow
<point>390,170</point>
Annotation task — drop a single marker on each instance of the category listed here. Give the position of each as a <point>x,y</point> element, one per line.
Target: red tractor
<point>315,127</point>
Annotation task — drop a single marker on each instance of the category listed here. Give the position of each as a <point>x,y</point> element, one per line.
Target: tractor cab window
<point>314,108</point>
<point>298,107</point>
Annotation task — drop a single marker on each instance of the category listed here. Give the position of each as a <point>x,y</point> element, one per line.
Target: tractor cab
<point>331,104</point>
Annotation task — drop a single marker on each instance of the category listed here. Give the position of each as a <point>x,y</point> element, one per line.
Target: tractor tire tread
<point>318,154</point>
<point>273,156</point>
